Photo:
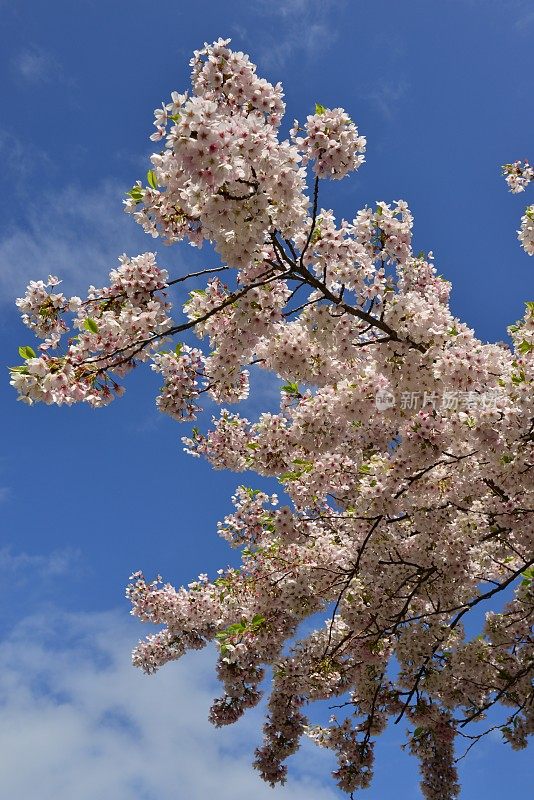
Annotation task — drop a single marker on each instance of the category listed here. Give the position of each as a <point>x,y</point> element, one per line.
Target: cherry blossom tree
<point>403,444</point>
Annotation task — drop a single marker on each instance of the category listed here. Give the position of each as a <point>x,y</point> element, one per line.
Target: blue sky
<point>443,92</point>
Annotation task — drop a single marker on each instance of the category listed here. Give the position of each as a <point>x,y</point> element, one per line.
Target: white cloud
<point>75,233</point>
<point>15,566</point>
<point>386,96</point>
<point>20,158</point>
<point>79,721</point>
<point>525,22</point>
<point>36,65</point>
<point>300,27</point>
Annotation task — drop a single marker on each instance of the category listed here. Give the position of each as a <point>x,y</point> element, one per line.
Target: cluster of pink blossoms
<point>526,233</point>
<point>42,310</point>
<point>224,175</point>
<point>331,141</point>
<point>115,326</point>
<point>403,444</point>
<point>518,176</point>
<point>180,369</point>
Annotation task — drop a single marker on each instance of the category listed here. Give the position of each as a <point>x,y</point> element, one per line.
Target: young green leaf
<point>291,388</point>
<point>90,325</point>
<point>27,352</point>
<point>136,193</point>
<point>525,347</point>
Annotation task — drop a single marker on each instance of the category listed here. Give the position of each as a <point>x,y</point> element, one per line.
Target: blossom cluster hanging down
<point>403,445</point>
<point>518,176</point>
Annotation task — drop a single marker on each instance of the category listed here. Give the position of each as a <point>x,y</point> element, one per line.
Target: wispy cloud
<point>20,567</point>
<point>95,727</point>
<point>525,22</point>
<point>35,65</point>
<point>75,233</point>
<point>386,96</point>
<point>299,27</point>
<point>20,158</point>
<point>517,14</point>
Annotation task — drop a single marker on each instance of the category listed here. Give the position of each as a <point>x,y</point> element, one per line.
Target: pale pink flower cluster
<point>42,310</point>
<point>116,326</point>
<point>518,175</point>
<point>398,518</point>
<point>181,370</point>
<point>220,73</point>
<point>387,232</point>
<point>526,233</point>
<point>433,744</point>
<point>332,142</point>
<point>355,757</point>
<point>247,523</point>
<point>224,176</point>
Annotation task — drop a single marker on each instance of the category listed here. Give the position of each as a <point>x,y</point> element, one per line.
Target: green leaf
<point>528,576</point>
<point>530,306</point>
<point>90,325</point>
<point>178,349</point>
<point>151,178</point>
<point>319,109</point>
<point>304,464</point>
<point>316,235</point>
<point>418,732</point>
<point>27,352</point>
<point>235,629</point>
<point>257,620</point>
<point>525,347</point>
<point>136,193</point>
<point>290,388</point>
<point>289,476</point>
<point>518,378</point>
